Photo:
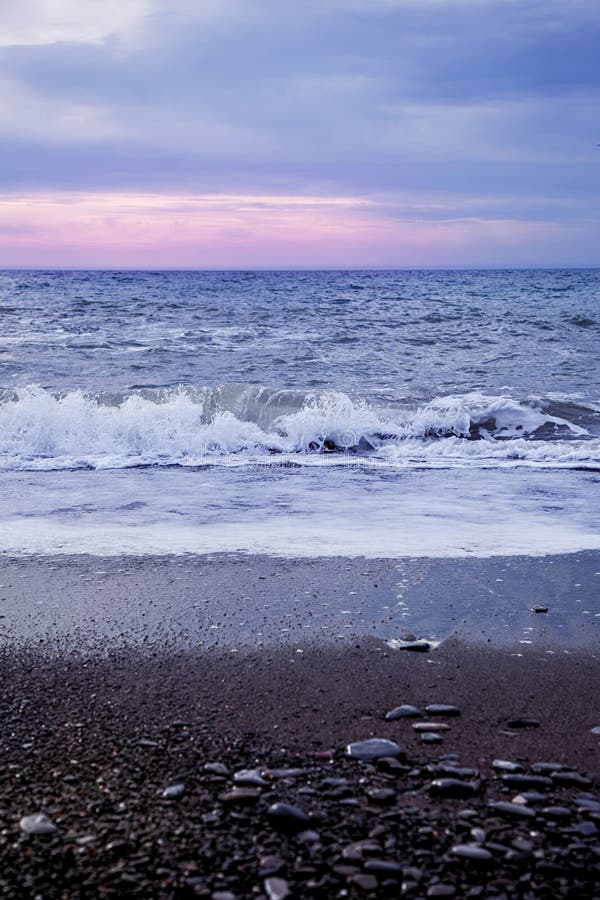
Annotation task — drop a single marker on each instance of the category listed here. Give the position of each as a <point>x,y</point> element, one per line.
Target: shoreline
<point>252,601</point>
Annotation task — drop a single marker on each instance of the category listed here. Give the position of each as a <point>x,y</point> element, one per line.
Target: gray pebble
<point>505,765</point>
<point>173,791</point>
<point>403,712</point>
<point>38,823</point>
<point>442,709</point>
<point>249,776</point>
<point>373,749</point>
<point>430,737</point>
<point>472,852</point>
<point>277,888</point>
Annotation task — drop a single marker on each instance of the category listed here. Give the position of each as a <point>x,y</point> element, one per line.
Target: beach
<point>159,745</point>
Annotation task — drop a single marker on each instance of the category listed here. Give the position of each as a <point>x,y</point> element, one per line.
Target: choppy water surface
<point>401,413</point>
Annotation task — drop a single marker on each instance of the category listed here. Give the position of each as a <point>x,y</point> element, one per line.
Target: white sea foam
<point>235,424</point>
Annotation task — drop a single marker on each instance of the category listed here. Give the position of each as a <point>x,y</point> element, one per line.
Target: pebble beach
<point>169,763</point>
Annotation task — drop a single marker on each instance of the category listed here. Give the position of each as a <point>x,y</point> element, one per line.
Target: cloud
<point>442,100</point>
<point>38,22</point>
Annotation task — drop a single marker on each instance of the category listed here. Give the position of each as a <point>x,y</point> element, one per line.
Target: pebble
<point>381,795</point>
<point>431,726</point>
<point>594,730</point>
<point>442,709</point>
<point>216,768</point>
<point>373,749</point>
<point>403,712</point>
<point>441,890</point>
<point>539,609</point>
<point>276,888</point>
<point>384,868</point>
<point>419,646</point>
<point>270,865</point>
<point>286,817</point>
<point>250,776</point>
<point>505,765</point>
<point>526,781</point>
<point>430,737</point>
<point>512,809</point>
<point>454,788</point>
<point>173,791</point>
<point>523,722</point>
<point>570,779</point>
<point>38,823</point>
<point>472,852</point>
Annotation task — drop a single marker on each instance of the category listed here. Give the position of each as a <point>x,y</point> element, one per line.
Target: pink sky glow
<point>144,230</point>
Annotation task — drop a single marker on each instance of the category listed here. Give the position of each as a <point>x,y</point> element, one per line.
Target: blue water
<point>385,413</point>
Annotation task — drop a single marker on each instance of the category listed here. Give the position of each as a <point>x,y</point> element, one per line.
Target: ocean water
<point>300,413</point>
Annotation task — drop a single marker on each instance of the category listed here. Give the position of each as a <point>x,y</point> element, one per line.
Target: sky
<point>299,133</point>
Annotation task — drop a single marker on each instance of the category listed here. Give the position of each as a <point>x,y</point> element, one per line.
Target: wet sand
<point>116,686</point>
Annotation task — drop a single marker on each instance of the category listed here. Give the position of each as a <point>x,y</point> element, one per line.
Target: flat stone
<point>431,737</point>
<point>594,730</point>
<point>173,791</point>
<point>547,768</point>
<point>505,765</point>
<point>442,709</point>
<point>38,823</point>
<point>523,722</point>
<point>539,609</point>
<point>512,809</point>
<point>286,817</point>
<point>276,888</point>
<point>526,781</point>
<point>373,749</point>
<point>418,646</point>
<point>454,788</point>
<point>472,852</point>
<point>570,779</point>
<point>403,712</point>
<point>431,726</point>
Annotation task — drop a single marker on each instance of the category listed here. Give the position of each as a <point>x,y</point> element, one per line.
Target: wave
<point>238,423</point>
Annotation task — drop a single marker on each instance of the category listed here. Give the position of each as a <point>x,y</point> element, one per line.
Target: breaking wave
<point>236,424</point>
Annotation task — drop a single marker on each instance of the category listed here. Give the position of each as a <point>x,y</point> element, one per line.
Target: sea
<point>331,413</point>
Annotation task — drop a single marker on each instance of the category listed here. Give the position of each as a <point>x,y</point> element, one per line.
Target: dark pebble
<point>512,809</point>
<point>287,818</point>
<point>454,788</point>
<point>442,709</point>
<point>570,779</point>
<point>523,723</point>
<point>383,868</point>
